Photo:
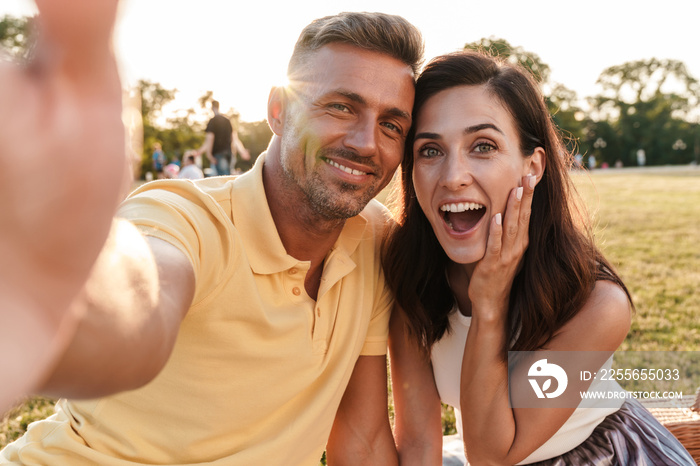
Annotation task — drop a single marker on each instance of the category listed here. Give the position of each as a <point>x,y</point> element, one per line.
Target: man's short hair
<point>379,32</point>
<point>215,104</point>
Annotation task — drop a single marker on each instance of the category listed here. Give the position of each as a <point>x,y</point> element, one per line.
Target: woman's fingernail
<point>531,180</point>
<point>498,219</point>
<point>519,193</point>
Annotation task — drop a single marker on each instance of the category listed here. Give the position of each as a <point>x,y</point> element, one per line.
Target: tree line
<point>650,106</point>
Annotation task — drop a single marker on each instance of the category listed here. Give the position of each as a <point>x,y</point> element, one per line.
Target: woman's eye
<point>429,152</point>
<point>484,147</point>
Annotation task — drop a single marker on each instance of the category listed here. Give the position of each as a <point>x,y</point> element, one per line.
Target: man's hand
<point>63,171</point>
<point>237,146</point>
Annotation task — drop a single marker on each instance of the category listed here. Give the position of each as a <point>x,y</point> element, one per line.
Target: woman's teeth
<point>461,207</point>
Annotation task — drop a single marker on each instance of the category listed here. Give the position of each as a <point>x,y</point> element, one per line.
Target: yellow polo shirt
<point>259,368</point>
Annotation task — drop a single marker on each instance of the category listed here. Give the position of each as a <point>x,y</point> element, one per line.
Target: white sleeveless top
<point>446,356</point>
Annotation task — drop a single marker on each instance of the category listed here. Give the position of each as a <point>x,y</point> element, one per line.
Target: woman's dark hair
<point>561,263</point>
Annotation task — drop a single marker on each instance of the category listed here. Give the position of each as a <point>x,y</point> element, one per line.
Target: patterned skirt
<point>630,436</point>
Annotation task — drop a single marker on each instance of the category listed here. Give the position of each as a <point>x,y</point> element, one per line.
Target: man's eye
<point>340,107</point>
<point>391,127</point>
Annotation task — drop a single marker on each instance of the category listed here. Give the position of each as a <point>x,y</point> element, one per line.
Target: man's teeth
<point>461,207</point>
<point>346,169</point>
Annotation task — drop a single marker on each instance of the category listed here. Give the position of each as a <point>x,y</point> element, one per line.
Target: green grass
<point>648,225</point>
<point>647,222</point>
<point>15,422</point>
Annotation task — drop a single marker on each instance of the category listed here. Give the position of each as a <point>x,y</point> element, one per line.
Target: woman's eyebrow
<point>426,135</point>
<point>475,128</point>
<point>468,130</point>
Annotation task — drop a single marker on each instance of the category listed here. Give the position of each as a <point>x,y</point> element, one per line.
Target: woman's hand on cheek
<point>489,288</point>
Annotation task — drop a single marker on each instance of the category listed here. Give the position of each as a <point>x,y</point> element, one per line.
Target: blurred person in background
<point>221,143</point>
<point>189,169</point>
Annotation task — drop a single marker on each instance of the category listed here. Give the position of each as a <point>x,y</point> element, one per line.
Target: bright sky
<point>239,49</point>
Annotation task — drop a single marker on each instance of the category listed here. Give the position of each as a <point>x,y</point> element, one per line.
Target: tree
<point>516,55</point>
<point>205,99</point>
<point>601,139</point>
<point>183,132</point>
<point>645,80</point>
<point>17,36</point>
<point>568,116</point>
<point>649,103</point>
<point>255,137</point>
<point>153,98</point>
<point>180,132</point>
<point>561,101</point>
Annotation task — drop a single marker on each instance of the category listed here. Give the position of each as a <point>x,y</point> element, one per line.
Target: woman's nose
<point>456,172</point>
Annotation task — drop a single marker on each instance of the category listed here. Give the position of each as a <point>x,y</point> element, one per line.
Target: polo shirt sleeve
<point>177,212</point>
<point>378,331</point>
<point>379,219</point>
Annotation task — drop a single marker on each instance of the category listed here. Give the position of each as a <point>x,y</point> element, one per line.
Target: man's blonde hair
<point>379,32</point>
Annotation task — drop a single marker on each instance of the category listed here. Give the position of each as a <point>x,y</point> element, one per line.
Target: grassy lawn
<point>647,222</point>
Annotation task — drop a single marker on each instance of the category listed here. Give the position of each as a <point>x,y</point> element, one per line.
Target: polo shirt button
<point>292,271</point>
<point>296,291</point>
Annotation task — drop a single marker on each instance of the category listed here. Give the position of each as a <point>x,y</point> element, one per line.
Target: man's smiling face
<point>345,124</point>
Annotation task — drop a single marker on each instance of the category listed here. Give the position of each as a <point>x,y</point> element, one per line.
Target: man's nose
<point>362,137</point>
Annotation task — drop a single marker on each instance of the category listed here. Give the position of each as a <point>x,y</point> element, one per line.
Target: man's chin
<point>340,202</point>
<point>338,209</point>
<point>339,212</point>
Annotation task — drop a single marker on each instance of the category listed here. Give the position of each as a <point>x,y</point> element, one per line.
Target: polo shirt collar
<point>250,213</point>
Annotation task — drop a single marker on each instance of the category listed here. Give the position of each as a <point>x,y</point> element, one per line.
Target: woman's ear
<point>276,105</point>
<point>536,163</point>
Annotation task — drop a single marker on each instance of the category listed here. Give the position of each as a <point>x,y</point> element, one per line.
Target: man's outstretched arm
<point>133,302</point>
<point>63,171</point>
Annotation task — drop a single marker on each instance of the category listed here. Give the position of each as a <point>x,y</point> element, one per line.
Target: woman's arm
<point>495,433</point>
<point>361,432</point>
<point>417,414</point>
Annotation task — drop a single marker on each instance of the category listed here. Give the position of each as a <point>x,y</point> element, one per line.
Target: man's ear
<point>276,106</point>
<point>536,163</point>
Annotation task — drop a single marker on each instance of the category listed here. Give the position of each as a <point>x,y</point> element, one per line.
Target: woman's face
<point>467,159</point>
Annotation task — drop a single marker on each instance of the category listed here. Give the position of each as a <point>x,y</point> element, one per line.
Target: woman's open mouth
<point>463,216</point>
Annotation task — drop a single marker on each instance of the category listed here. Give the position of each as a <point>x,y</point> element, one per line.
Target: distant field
<point>647,222</point>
